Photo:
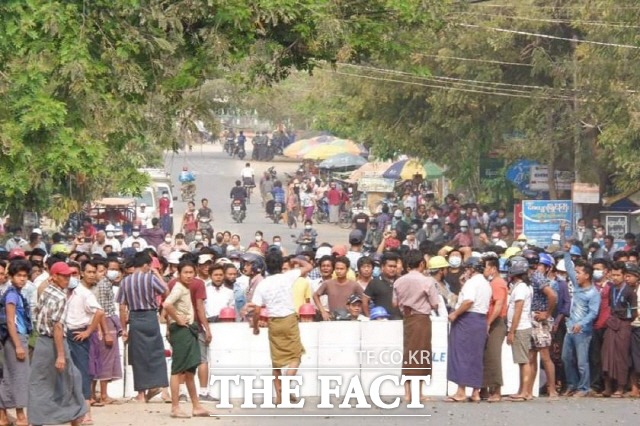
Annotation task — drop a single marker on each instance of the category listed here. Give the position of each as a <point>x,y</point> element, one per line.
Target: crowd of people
<point>63,306</point>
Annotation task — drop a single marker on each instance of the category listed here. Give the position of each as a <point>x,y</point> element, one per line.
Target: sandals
<point>151,393</point>
<point>452,399</point>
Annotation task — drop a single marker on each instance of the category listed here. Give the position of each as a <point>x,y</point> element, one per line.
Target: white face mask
<point>455,261</point>
<point>258,238</point>
<point>237,265</point>
<point>135,234</point>
<point>167,240</point>
<point>109,234</point>
<point>307,227</point>
<point>277,243</point>
<point>73,283</point>
<point>598,275</point>
<point>112,275</point>
<point>198,238</point>
<point>463,229</point>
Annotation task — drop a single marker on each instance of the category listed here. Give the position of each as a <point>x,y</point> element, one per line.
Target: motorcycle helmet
<point>518,265</point>
<point>547,260</point>
<point>257,262</point>
<point>307,309</point>
<point>227,314</point>
<point>532,257</point>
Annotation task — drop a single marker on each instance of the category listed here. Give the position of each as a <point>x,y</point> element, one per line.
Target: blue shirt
<point>278,195</point>
<point>564,299</point>
<point>13,298</point>
<point>584,308</point>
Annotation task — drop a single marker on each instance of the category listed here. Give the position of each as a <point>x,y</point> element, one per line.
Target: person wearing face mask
<point>259,242</point>
<point>464,238</point>
<point>84,316</point>
<point>166,247</point>
<point>197,239</point>
<point>16,241</point>
<point>435,232</point>
<point>111,240</point>
<point>438,267</point>
<point>109,366</point>
<point>308,234</point>
<point>454,273</point>
<point>603,285</point>
<point>135,238</point>
<point>582,233</point>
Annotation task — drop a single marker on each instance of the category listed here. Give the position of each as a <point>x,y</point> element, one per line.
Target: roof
<point>115,202</point>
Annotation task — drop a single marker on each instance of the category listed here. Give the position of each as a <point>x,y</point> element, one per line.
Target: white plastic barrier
<point>366,349</point>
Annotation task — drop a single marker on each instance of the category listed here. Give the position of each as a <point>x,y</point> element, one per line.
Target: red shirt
<point>263,246</point>
<point>164,206</point>
<point>605,310</point>
<point>333,197</point>
<point>499,291</point>
<point>197,290</point>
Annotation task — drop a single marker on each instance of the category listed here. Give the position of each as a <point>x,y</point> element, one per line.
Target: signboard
<point>539,179</point>
<point>585,193</point>
<point>517,219</point>
<point>542,218</point>
<point>616,226</point>
<point>371,184</point>
<point>490,168</point>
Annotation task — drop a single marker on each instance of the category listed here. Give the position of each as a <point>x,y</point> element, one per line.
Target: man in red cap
<point>17,253</point>
<point>51,363</point>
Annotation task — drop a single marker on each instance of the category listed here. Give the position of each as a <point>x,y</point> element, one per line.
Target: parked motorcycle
<point>277,212</point>
<point>272,173</point>
<point>237,213</point>
<point>240,152</point>
<point>188,191</point>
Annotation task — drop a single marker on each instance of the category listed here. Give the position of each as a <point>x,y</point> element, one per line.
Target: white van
<point>160,182</point>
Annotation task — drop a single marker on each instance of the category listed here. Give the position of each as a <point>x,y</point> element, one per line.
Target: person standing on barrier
<point>275,294</point>
<point>468,333</point>
<point>417,296</point>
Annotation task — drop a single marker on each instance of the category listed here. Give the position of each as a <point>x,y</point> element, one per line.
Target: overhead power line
<point>490,61</point>
<point>461,89</point>
<point>504,30</point>
<point>550,20</point>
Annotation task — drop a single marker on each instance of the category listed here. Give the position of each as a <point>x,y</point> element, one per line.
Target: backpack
<point>4,330</point>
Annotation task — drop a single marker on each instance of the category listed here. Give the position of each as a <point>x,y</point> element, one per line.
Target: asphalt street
<point>216,174</point>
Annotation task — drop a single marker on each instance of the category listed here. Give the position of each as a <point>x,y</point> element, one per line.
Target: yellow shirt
<point>301,292</point>
<point>351,275</point>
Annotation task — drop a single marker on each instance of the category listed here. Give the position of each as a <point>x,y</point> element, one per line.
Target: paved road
<point>539,412</point>
<point>216,174</point>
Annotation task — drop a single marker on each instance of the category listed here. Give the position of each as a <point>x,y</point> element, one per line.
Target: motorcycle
<point>229,146</point>
<point>237,213</point>
<point>321,213</point>
<point>277,212</point>
<point>204,225</point>
<point>188,191</point>
<point>239,151</point>
<point>305,245</point>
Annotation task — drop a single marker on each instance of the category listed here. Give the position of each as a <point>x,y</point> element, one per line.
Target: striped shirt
<point>139,291</point>
<point>104,293</point>
<point>51,309</point>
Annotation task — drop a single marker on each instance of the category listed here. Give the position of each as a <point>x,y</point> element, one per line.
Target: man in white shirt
<point>275,293</point>
<point>84,315</point>
<point>135,240</point>
<point>468,333</point>
<point>519,323</point>
<point>111,240</point>
<point>248,175</point>
<point>143,216</point>
<point>218,295</point>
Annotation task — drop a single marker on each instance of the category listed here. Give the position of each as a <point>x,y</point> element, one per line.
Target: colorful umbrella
<point>406,169</point>
<point>375,169</point>
<point>342,161</point>
<point>292,150</point>
<point>329,149</point>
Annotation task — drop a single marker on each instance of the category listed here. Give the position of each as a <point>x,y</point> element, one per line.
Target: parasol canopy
<point>342,161</point>
<point>406,169</point>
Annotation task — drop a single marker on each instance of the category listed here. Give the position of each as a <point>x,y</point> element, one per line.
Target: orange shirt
<point>499,291</point>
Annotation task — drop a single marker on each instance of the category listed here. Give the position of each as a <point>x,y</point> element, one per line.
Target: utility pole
<point>577,143</point>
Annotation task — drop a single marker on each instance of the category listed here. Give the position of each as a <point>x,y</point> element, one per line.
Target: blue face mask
<point>73,283</point>
<point>376,272</point>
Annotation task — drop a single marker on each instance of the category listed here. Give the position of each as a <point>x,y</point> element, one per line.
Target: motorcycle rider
<point>240,143</point>
<point>278,197</point>
<point>248,175</point>
<point>240,194</point>
<point>204,217</point>
<point>374,235</point>
<point>308,234</point>
<point>188,188</point>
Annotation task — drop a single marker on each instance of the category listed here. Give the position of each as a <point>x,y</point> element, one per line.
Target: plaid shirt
<point>104,293</point>
<point>314,274</point>
<point>51,309</point>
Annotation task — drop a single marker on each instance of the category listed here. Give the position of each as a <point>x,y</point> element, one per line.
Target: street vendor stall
<point>376,189</point>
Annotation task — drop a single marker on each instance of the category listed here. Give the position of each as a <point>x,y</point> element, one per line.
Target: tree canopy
<point>94,89</point>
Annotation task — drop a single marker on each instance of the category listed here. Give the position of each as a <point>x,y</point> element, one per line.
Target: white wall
<point>332,348</point>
